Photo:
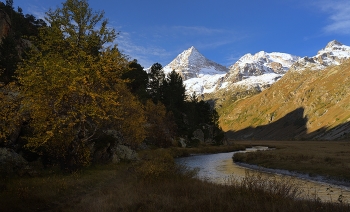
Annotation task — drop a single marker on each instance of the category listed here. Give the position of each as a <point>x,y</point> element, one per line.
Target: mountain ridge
<point>251,72</point>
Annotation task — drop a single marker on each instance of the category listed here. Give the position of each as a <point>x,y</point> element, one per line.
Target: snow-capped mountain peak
<point>251,71</point>
<point>269,62</point>
<point>189,56</point>
<point>333,45</point>
<point>333,54</point>
<point>191,64</point>
<point>199,73</point>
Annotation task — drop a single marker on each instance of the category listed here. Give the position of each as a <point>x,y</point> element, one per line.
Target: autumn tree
<point>161,126</point>
<point>72,86</point>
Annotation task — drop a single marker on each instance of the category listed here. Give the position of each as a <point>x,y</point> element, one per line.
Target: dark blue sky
<point>222,30</point>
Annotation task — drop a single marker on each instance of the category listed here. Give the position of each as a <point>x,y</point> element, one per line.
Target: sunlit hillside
<point>302,105</point>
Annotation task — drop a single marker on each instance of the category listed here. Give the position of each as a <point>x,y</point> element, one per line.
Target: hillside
<point>308,104</point>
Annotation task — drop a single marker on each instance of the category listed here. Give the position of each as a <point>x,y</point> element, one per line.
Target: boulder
<point>12,163</point>
<point>182,142</point>
<point>114,153</point>
<point>122,152</point>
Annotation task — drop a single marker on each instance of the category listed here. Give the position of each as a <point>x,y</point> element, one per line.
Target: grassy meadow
<point>155,183</point>
<point>326,158</point>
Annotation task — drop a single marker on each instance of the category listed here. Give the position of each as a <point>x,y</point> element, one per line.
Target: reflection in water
<point>220,168</point>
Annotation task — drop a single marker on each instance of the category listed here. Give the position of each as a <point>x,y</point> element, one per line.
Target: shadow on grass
<point>292,126</point>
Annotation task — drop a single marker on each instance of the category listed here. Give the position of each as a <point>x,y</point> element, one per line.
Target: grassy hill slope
<point>301,105</point>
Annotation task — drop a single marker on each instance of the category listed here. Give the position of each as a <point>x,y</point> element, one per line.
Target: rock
<point>114,153</point>
<point>121,152</point>
<point>12,163</point>
<point>182,142</point>
<point>277,67</point>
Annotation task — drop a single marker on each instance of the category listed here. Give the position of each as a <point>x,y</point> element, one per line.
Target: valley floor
<point>325,158</point>
<point>155,183</point>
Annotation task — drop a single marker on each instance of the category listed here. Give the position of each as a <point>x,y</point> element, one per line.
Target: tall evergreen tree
<point>173,95</point>
<point>137,80</point>
<point>156,78</point>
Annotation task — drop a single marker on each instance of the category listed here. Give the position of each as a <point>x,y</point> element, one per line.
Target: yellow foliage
<point>161,126</point>
<point>10,117</point>
<point>71,85</point>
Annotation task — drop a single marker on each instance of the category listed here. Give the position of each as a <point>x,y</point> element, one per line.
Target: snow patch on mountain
<point>259,70</point>
<point>206,83</point>
<point>259,82</point>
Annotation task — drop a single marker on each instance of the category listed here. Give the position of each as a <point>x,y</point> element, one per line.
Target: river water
<point>220,168</point>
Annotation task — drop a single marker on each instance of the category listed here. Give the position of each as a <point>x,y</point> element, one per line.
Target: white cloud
<point>339,18</point>
<point>142,53</point>
<point>199,30</point>
<point>145,44</point>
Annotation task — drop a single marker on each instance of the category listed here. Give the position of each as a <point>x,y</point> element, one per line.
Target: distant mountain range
<point>258,71</point>
<point>275,96</point>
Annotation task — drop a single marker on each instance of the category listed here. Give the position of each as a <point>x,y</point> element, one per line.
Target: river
<point>220,168</point>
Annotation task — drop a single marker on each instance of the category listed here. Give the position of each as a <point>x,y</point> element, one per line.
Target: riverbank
<point>329,159</point>
<point>155,183</point>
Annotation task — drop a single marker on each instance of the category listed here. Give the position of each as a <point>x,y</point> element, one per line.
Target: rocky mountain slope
<point>304,104</point>
<point>259,70</point>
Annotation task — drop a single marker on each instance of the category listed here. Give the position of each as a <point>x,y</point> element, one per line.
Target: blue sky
<point>222,30</point>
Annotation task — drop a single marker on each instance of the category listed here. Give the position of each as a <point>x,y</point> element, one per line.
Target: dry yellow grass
<point>153,184</point>
<point>326,158</point>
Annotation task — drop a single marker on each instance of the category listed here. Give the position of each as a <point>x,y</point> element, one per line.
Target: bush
<point>159,165</point>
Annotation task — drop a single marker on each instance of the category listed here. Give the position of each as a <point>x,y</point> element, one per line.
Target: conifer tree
<point>72,86</point>
<point>137,80</point>
<point>173,95</point>
<point>156,78</point>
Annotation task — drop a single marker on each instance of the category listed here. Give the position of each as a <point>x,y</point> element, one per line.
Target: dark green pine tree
<point>156,78</point>
<point>173,97</point>
<point>138,80</point>
<point>173,92</point>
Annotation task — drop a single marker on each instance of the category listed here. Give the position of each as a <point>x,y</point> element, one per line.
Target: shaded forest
<point>67,92</point>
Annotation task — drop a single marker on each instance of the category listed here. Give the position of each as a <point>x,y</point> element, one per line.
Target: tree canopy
<point>72,87</point>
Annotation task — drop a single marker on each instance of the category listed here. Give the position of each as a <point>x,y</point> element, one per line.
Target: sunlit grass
<point>326,158</point>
